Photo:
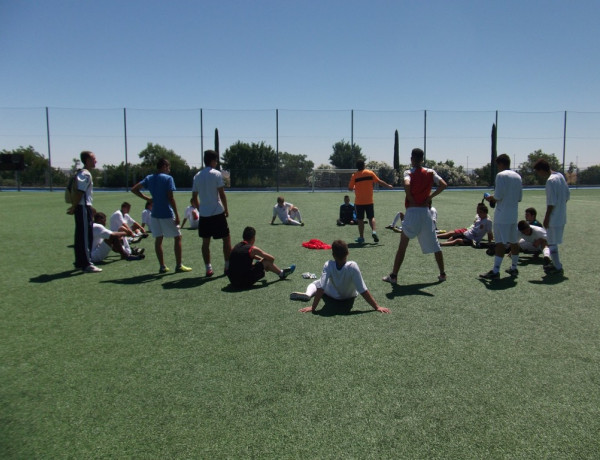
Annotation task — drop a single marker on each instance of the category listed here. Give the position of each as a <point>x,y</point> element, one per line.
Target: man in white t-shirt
<point>557,195</point>
<point>473,235</point>
<point>341,279</point>
<point>208,196</point>
<point>508,192</point>
<point>106,240</point>
<point>121,221</point>
<point>287,213</point>
<point>147,217</point>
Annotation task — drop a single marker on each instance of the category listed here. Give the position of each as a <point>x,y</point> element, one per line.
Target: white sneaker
<point>92,269</point>
<point>299,296</point>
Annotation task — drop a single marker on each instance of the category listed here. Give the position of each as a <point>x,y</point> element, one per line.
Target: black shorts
<point>362,208</point>
<point>256,272</point>
<point>213,227</point>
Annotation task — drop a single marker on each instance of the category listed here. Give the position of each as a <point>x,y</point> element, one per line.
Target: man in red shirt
<point>418,182</point>
<point>362,182</point>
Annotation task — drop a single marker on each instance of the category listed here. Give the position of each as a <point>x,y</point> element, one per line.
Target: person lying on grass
<point>341,279</point>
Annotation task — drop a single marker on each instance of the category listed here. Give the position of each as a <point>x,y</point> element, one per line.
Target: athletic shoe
<point>552,270</point>
<point>442,277</point>
<point>301,224</point>
<point>490,275</point>
<point>182,268</point>
<point>163,269</point>
<point>134,239</point>
<point>391,278</point>
<point>299,296</point>
<point>389,226</point>
<point>287,271</point>
<point>91,269</point>
<point>209,273</point>
<point>360,240</point>
<point>397,229</point>
<point>512,271</point>
<point>375,237</point>
<point>135,257</point>
<point>137,251</point>
<point>145,235</point>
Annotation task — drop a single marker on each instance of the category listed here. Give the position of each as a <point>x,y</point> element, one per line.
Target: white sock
<point>554,256</point>
<point>515,260</point>
<point>497,263</point>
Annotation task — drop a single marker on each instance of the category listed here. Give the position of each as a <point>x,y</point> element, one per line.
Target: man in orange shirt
<point>362,182</point>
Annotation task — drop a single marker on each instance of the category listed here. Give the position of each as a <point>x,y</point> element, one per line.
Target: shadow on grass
<point>550,280</point>
<point>186,283</point>
<point>333,307</point>
<point>499,284</point>
<point>258,285</point>
<point>141,279</point>
<point>45,278</point>
<point>364,245</point>
<point>410,289</point>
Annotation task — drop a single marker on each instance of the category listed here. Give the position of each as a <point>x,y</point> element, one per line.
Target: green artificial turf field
<point>130,363</point>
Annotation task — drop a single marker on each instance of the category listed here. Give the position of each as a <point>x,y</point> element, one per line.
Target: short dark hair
<point>418,154</point>
<point>483,207</point>
<point>249,233</point>
<point>210,156</point>
<point>339,249</point>
<point>85,155</point>
<point>541,165</point>
<point>161,163</point>
<point>360,164</point>
<point>148,204</point>
<point>523,225</point>
<point>125,205</point>
<point>531,211</point>
<point>503,159</point>
<point>99,216</point>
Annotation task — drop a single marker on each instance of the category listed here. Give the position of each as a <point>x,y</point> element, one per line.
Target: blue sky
<point>314,61</point>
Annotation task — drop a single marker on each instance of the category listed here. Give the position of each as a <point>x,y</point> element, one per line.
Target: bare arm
<point>440,188</point>
<point>137,190</point>
<point>223,200</point>
<point>549,210</point>
<point>316,300</point>
<point>173,204</point>
<point>258,253</point>
<point>371,301</point>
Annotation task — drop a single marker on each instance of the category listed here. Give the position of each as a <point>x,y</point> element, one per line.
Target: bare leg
<point>206,250</point>
<point>177,247</point>
<point>226,248</point>
<point>439,258</point>
<point>400,253</point>
<point>372,224</point>
<point>159,250</point>
<point>361,228</point>
<point>271,267</point>
<point>115,244</point>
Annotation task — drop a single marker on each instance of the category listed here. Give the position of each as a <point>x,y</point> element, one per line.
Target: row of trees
<point>258,165</point>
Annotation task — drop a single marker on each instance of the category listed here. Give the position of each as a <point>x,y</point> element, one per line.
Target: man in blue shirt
<point>165,218</point>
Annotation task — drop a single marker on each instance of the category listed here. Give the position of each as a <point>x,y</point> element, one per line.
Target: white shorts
<point>506,233</point>
<point>418,222</point>
<point>554,235</point>
<point>100,252</point>
<point>164,227</point>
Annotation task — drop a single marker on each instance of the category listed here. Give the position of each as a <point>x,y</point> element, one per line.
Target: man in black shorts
<point>248,263</point>
<point>208,196</point>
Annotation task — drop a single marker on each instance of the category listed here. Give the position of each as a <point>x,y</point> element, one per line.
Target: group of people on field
<point>245,263</point>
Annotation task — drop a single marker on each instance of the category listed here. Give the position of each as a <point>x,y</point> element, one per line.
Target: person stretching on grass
<point>341,279</point>
<point>418,222</point>
<point>248,263</point>
<point>472,235</point>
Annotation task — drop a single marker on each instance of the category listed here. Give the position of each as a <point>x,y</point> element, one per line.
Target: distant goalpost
<point>333,179</point>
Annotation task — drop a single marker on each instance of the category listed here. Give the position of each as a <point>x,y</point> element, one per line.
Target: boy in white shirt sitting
<point>341,280</point>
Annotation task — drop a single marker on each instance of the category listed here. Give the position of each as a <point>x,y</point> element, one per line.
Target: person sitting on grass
<point>400,217</point>
<point>191,213</point>
<point>287,213</point>
<point>347,213</point>
<point>248,263</point>
<point>341,279</point>
<point>147,216</point>
<point>106,240</point>
<point>534,237</point>
<point>472,235</point>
